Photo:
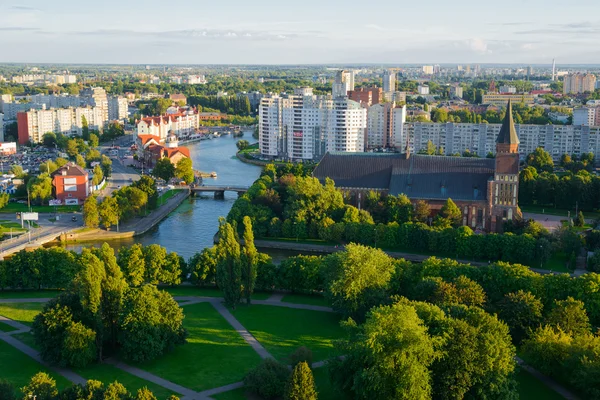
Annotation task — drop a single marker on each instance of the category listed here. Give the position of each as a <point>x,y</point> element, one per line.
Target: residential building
<point>428,69</point>
<point>33,124</point>
<point>423,89</point>
<point>558,117</point>
<point>389,81</point>
<point>303,126</point>
<point>485,190</point>
<point>585,116</point>
<point>118,108</point>
<point>507,89</point>
<point>366,96</point>
<point>343,83</point>
<point>498,99</point>
<point>385,124</point>
<point>196,79</point>
<point>178,98</point>
<point>150,149</point>
<point>456,91</point>
<point>70,184</point>
<point>211,116</point>
<point>97,97</point>
<point>254,99</point>
<point>4,98</point>
<point>182,121</point>
<point>579,83</point>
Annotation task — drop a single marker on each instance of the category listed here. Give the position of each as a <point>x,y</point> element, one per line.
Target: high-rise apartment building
<point>33,124</point>
<point>385,125</point>
<point>99,99</point>
<point>428,69</point>
<point>456,91</point>
<point>588,116</point>
<point>117,108</point>
<point>389,81</point>
<point>579,83</point>
<point>343,83</point>
<point>303,126</point>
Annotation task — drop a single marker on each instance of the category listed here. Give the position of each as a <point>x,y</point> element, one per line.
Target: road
<point>47,230</point>
<point>121,175</point>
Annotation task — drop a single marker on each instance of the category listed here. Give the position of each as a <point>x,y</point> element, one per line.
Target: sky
<point>300,32</point>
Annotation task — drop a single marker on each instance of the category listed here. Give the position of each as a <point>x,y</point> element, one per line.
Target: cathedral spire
<point>508,140</point>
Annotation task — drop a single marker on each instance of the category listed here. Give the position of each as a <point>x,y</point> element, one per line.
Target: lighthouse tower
<point>171,142</point>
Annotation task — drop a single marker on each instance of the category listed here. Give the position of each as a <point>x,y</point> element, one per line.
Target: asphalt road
<point>121,175</point>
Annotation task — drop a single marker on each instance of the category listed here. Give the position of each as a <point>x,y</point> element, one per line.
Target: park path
<point>17,344</point>
<point>216,302</point>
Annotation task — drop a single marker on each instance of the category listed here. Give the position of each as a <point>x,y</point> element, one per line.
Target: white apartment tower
<point>384,125</point>
<point>343,83</point>
<point>303,126</point>
<point>389,81</point>
<point>579,83</point>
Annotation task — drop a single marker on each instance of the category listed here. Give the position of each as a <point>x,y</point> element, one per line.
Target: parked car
<point>73,218</point>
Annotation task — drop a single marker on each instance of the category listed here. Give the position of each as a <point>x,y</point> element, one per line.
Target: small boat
<point>213,174</point>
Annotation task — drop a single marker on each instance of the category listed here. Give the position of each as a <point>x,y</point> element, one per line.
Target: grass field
<point>558,262</point>
<point>312,299</point>
<point>557,211</point>
<point>18,207</point>
<point>215,354</point>
<point>531,388</point>
<point>17,368</point>
<point>187,290</point>
<point>282,330</point>
<point>21,312</point>
<point>28,294</point>
<point>162,199</point>
<point>6,328</point>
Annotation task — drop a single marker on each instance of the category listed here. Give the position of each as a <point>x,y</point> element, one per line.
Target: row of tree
<point>43,387</point>
<point>166,170</point>
<point>101,313</point>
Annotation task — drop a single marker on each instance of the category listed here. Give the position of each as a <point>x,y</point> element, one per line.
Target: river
<point>191,227</point>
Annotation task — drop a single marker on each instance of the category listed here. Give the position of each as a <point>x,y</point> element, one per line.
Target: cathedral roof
<point>508,133</point>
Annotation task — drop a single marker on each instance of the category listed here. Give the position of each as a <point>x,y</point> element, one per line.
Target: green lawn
<point>21,312</point>
<point>312,299</point>
<point>530,388</point>
<point>18,207</point>
<point>6,328</point>
<point>28,294</point>
<point>557,211</point>
<point>187,290</point>
<point>215,355</point>
<point>282,330</point>
<point>162,199</point>
<point>558,262</point>
<point>237,394</point>
<point>27,338</point>
<point>17,368</point>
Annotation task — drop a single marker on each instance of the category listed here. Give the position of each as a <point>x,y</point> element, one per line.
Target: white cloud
<point>478,45</point>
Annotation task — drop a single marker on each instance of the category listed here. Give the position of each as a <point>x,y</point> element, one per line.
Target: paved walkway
<point>188,394</point>
<point>17,344</point>
<point>247,336</point>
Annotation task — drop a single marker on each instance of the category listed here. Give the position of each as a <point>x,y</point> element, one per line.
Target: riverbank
<point>135,227</point>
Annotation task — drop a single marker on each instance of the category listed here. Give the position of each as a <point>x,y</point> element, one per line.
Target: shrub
<point>302,354</point>
<point>268,379</point>
<point>7,391</point>
<point>301,385</point>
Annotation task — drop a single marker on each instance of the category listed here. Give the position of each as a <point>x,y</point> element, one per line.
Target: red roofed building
<point>150,150</point>
<point>183,122</point>
<point>70,184</point>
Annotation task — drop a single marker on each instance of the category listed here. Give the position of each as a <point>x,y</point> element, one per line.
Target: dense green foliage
<point>99,311</point>
<point>301,385</point>
<point>268,379</point>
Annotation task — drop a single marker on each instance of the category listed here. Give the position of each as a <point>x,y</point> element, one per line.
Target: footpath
<point>216,302</point>
<point>134,227</point>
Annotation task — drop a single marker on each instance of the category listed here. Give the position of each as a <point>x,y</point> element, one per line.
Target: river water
<point>191,227</point>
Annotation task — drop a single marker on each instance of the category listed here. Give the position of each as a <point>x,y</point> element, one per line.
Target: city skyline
<point>532,32</point>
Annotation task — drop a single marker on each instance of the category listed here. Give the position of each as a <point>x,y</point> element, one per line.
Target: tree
<point>17,171</point>
<point>164,169</point>
<point>422,211</point>
<point>98,175</point>
<point>48,167</point>
<point>144,394</point>
<point>61,162</point>
<point>451,213</point>
<point>203,266</point>
<point>541,160</point>
<point>184,170</point>
<point>242,144</point>
<point>91,217</point>
<point>85,130</point>
<point>4,199</point>
<point>93,141</point>
<point>109,212</point>
<point>116,391</point>
<point>301,385</point>
<point>49,139</point>
<point>40,187</point>
<point>357,278</point>
<point>249,259</point>
<point>106,165</point>
<point>79,160</point>
<point>79,347</point>
<point>229,274</point>
<point>388,357</point>
<point>133,264</point>
<point>580,220</point>
<point>41,386</point>
<point>154,261</point>
<point>72,149</point>
<point>268,379</point>
<point>569,316</point>
<point>151,323</point>
<point>522,312</point>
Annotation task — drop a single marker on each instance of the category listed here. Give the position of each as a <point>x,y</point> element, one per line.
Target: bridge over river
<point>219,191</point>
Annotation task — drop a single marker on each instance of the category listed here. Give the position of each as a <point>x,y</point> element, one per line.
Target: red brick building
<point>366,96</point>
<point>70,184</point>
